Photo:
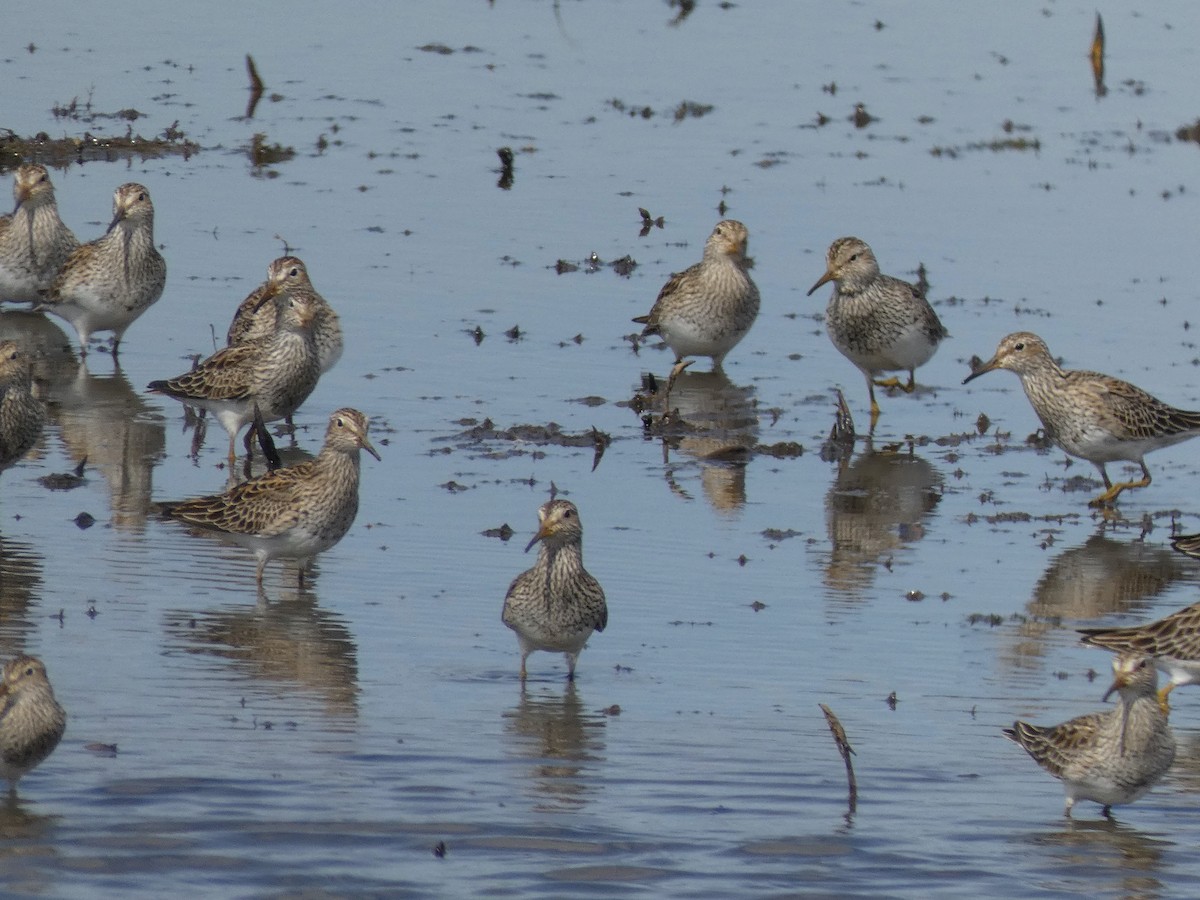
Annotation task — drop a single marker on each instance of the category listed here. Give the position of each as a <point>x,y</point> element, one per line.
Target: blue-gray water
<point>326,742</point>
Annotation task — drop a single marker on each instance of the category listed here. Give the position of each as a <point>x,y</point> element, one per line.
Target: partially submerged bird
<point>556,605</point>
<point>34,242</point>
<point>272,375</point>
<point>1093,416</point>
<point>21,414</point>
<point>879,323</point>
<point>31,720</point>
<point>106,284</point>
<point>291,513</point>
<point>1111,757</point>
<point>708,308</point>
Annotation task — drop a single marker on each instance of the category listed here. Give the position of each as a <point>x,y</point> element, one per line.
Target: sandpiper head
<point>283,275</point>
<point>347,431</point>
<point>558,524</point>
<point>24,673</point>
<point>31,185</point>
<point>296,312</point>
<point>14,363</point>
<point>729,238</point>
<point>131,202</point>
<point>1021,352</point>
<point>1133,676</point>
<point>848,261</point>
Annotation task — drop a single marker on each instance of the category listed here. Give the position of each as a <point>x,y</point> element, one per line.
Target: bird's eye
<point>1020,345</point>
<point>566,514</point>
<point>341,423</point>
<point>293,272</point>
<point>853,257</point>
<point>29,670</point>
<point>142,196</point>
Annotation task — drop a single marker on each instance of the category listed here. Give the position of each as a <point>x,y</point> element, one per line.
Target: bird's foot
<point>1109,497</point>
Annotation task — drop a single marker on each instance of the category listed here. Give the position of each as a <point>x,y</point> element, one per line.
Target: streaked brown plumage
<point>1111,757</point>
<point>1173,643</point>
<point>34,242</point>
<point>292,513</point>
<point>21,414</point>
<point>557,604</point>
<point>106,284</point>
<point>879,323</point>
<point>32,721</point>
<point>255,318</point>
<point>276,373</point>
<point>1093,416</point>
<point>707,309</point>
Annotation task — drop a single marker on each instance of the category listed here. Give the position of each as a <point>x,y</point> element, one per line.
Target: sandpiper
<point>255,319</point>
<point>707,309</point>
<point>31,721</point>
<point>1111,757</point>
<point>34,242</point>
<point>107,283</point>
<point>1173,643</point>
<point>274,374</point>
<point>291,513</point>
<point>21,414</point>
<point>556,605</point>
<point>879,323</point>
<point>1095,417</point>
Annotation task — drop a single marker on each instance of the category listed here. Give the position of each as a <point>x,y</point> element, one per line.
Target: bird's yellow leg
<point>1162,697</point>
<point>892,382</point>
<point>1114,490</point>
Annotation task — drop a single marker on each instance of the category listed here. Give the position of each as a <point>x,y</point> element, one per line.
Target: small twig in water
<point>843,745</point>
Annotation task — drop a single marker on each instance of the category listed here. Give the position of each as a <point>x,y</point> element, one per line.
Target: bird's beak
<point>23,193</point>
<point>1119,682</point>
<point>824,279</point>
<point>988,366</point>
<point>274,289</point>
<point>366,445</point>
<point>543,532</point>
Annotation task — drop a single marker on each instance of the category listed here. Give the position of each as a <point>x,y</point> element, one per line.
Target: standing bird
<point>1172,643</point>
<point>21,414</point>
<point>879,323</point>
<point>31,721</point>
<point>34,242</point>
<point>556,605</point>
<point>106,284</point>
<point>255,319</point>
<point>1111,757</point>
<point>273,375</point>
<point>292,513</point>
<point>1095,417</point>
<point>707,309</point>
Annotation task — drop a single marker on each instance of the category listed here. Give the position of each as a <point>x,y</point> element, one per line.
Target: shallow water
<point>326,741</point>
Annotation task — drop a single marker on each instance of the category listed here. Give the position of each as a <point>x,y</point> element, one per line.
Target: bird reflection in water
<point>1099,578</point>
<point>709,419</point>
<point>562,742</point>
<point>21,584</point>
<point>99,417</point>
<point>877,503</point>
<point>1112,858</point>
<point>292,643</point>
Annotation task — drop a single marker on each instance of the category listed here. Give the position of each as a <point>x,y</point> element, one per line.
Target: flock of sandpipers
<point>284,335</point>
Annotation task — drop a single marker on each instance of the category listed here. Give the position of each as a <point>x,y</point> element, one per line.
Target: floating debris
<point>59,153</point>
<point>648,222</point>
<point>1096,55</point>
<point>843,745</point>
<point>506,168</point>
